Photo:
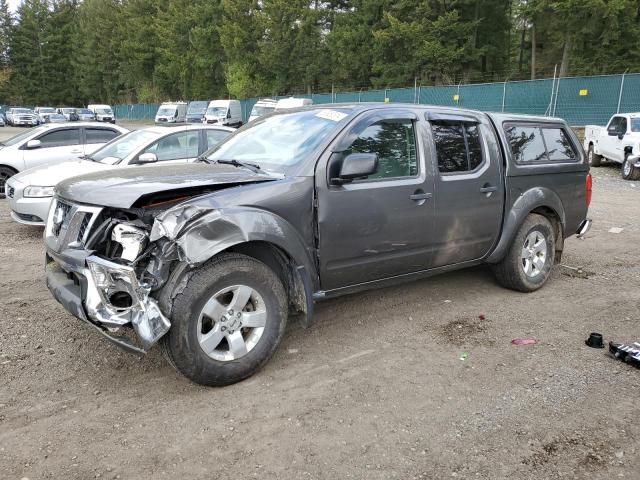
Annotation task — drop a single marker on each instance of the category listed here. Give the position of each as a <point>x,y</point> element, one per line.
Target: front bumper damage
<point>108,296</point>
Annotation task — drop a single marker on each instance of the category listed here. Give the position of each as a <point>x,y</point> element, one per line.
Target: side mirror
<point>356,165</point>
<point>146,158</point>
<point>620,135</point>
<point>31,144</point>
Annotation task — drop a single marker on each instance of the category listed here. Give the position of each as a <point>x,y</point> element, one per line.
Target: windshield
<point>114,151</point>
<point>22,110</point>
<point>197,108</point>
<point>259,111</point>
<point>103,110</point>
<point>85,111</point>
<point>47,110</point>
<point>635,124</point>
<point>217,111</point>
<point>167,111</point>
<point>24,135</point>
<point>281,140</point>
<point>68,110</point>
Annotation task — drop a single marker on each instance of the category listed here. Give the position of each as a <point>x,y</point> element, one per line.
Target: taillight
<point>588,187</point>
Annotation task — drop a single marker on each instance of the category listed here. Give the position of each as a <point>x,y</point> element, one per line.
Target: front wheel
<point>5,174</point>
<point>527,265</point>
<point>629,171</point>
<point>227,322</point>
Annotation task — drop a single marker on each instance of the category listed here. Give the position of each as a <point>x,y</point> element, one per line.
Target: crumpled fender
<point>530,200</point>
<point>202,232</point>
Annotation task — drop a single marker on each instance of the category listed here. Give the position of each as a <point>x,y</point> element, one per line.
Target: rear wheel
<point>5,174</point>
<point>629,171</point>
<point>594,160</point>
<point>527,265</point>
<point>228,321</point>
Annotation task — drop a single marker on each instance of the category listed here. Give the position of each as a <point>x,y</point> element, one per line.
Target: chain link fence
<point>578,100</point>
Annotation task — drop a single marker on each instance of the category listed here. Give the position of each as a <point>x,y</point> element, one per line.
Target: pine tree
<point>190,56</point>
<point>6,27</point>
<point>27,45</point>
<point>97,45</point>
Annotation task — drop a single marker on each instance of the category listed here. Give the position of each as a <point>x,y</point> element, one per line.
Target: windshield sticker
<point>332,115</point>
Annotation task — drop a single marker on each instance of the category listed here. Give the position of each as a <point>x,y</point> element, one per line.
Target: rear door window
<point>100,135</point>
<point>458,146</point>
<point>539,144</point>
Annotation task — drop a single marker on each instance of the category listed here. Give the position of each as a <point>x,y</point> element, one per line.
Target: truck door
<point>382,225</point>
<point>469,192</point>
<point>612,142</point>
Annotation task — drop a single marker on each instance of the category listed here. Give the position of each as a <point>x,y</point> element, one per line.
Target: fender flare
<point>201,233</point>
<point>537,197</point>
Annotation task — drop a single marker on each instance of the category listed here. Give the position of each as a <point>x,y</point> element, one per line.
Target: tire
<point>522,274</point>
<point>629,171</point>
<point>594,160</point>
<point>224,279</point>
<point>5,174</point>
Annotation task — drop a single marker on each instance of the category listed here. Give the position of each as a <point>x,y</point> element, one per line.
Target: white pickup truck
<point>618,142</point>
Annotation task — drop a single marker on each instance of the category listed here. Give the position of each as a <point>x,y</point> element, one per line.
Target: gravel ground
<point>406,382</point>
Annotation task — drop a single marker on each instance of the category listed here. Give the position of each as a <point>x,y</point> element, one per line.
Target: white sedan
<point>52,143</point>
<point>29,193</point>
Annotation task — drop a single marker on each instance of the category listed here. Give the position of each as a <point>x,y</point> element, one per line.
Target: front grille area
<point>83,226</point>
<point>69,225</point>
<point>60,217</point>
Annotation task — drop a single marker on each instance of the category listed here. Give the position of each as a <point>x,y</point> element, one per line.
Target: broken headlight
<point>117,284</point>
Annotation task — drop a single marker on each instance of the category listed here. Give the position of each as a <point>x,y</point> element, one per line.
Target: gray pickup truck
<point>210,259</point>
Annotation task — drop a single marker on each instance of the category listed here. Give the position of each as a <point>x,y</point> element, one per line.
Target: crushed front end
<point>102,268</point>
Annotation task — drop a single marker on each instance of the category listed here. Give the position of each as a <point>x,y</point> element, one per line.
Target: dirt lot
<point>376,389</point>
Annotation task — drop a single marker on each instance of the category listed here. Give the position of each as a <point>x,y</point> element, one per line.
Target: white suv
<point>52,143</point>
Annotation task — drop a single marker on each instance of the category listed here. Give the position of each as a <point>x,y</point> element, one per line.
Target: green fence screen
<point>579,100</point>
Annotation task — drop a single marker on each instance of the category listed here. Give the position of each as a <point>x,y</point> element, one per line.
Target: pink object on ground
<point>524,341</point>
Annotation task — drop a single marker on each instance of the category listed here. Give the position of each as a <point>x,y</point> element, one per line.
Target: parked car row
<point>21,116</point>
<point>222,112</point>
<point>163,239</point>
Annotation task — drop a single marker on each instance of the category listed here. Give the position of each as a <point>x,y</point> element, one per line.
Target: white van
<point>224,112</point>
<point>172,112</point>
<point>262,107</point>
<point>103,113</point>
<point>293,102</point>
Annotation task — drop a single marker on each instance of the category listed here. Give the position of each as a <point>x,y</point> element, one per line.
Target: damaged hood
<point>121,188</point>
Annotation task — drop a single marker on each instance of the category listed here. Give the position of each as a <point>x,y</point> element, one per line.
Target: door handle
<point>488,189</point>
<point>420,196</point>
<point>76,151</point>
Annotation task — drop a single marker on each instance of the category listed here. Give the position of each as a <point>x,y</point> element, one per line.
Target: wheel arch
<point>256,233</point>
<point>296,279</point>
<point>539,200</point>
<point>4,165</point>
